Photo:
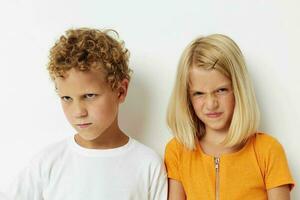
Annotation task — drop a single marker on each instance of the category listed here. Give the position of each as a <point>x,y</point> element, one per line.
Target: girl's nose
<point>211,102</point>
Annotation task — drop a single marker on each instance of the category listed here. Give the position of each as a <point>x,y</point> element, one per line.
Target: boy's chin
<point>88,136</point>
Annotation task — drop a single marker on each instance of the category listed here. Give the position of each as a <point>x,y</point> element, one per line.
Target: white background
<point>155,32</point>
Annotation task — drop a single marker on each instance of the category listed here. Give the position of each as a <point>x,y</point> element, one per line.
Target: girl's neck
<point>211,143</point>
<point>214,137</point>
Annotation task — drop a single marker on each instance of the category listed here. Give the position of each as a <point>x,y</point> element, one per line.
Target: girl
<point>217,152</point>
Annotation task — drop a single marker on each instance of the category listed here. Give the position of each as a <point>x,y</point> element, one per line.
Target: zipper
<point>217,166</point>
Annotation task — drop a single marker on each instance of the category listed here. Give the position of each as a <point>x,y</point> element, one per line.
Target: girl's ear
<point>122,90</point>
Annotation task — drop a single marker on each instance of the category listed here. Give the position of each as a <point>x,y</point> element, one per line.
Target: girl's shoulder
<point>174,148</point>
<point>272,160</point>
<point>266,145</point>
<point>173,141</point>
<point>264,140</point>
<point>176,144</point>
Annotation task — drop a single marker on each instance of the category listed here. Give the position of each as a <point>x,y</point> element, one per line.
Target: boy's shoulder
<point>61,152</point>
<point>134,147</point>
<point>141,150</point>
<point>42,162</point>
<point>57,147</point>
<point>52,152</point>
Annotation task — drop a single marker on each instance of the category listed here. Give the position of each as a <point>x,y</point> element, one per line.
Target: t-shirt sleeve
<point>28,184</point>
<point>172,159</point>
<point>276,171</point>
<point>159,183</point>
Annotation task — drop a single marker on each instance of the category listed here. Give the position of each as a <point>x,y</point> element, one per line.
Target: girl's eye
<point>222,90</point>
<point>197,94</point>
<point>66,99</point>
<point>90,96</point>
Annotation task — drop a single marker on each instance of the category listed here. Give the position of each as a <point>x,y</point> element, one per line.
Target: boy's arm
<point>159,183</point>
<point>28,184</point>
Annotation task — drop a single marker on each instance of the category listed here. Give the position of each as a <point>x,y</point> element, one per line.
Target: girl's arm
<point>279,193</point>
<point>176,191</point>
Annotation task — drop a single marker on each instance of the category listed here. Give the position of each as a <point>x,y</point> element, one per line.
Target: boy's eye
<point>90,96</point>
<point>66,99</point>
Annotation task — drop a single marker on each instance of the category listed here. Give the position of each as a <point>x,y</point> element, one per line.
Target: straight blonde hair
<point>221,53</point>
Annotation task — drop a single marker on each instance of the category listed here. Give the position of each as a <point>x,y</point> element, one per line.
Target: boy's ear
<point>122,90</point>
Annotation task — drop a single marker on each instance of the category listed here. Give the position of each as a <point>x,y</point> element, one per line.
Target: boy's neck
<point>111,140</point>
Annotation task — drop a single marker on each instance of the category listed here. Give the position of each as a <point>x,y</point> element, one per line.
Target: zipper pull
<point>217,162</point>
<point>217,165</point>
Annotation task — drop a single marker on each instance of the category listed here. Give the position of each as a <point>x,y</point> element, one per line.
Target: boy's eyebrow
<point>60,76</point>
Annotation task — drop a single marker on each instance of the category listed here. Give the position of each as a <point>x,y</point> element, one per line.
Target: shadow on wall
<point>134,112</point>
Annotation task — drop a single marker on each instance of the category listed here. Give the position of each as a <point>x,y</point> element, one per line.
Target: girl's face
<point>212,98</point>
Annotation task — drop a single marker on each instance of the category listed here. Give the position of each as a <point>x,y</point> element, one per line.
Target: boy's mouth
<point>84,125</point>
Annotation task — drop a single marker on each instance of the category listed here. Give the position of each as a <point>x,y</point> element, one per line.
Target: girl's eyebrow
<point>192,90</point>
<point>224,85</point>
<point>195,91</point>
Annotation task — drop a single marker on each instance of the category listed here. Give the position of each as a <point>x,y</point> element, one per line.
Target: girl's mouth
<point>214,114</point>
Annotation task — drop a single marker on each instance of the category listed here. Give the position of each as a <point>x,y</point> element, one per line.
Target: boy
<point>91,75</point>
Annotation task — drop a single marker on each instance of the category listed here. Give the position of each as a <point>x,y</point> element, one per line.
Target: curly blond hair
<point>85,48</point>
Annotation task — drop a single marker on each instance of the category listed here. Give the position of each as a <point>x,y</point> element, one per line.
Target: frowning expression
<point>212,98</point>
<point>88,101</point>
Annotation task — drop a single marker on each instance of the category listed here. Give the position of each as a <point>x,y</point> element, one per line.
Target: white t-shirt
<point>67,171</point>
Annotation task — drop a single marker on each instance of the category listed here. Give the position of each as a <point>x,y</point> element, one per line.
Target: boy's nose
<point>80,111</point>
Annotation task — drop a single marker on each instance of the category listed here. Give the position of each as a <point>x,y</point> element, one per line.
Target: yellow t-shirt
<point>246,174</point>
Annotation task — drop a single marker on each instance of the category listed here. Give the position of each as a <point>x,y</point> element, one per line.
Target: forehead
<point>207,79</point>
<point>75,80</point>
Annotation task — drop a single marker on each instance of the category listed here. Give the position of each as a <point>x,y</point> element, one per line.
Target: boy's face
<point>89,103</point>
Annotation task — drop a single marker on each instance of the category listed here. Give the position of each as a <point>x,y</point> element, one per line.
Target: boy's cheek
<point>68,114</point>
